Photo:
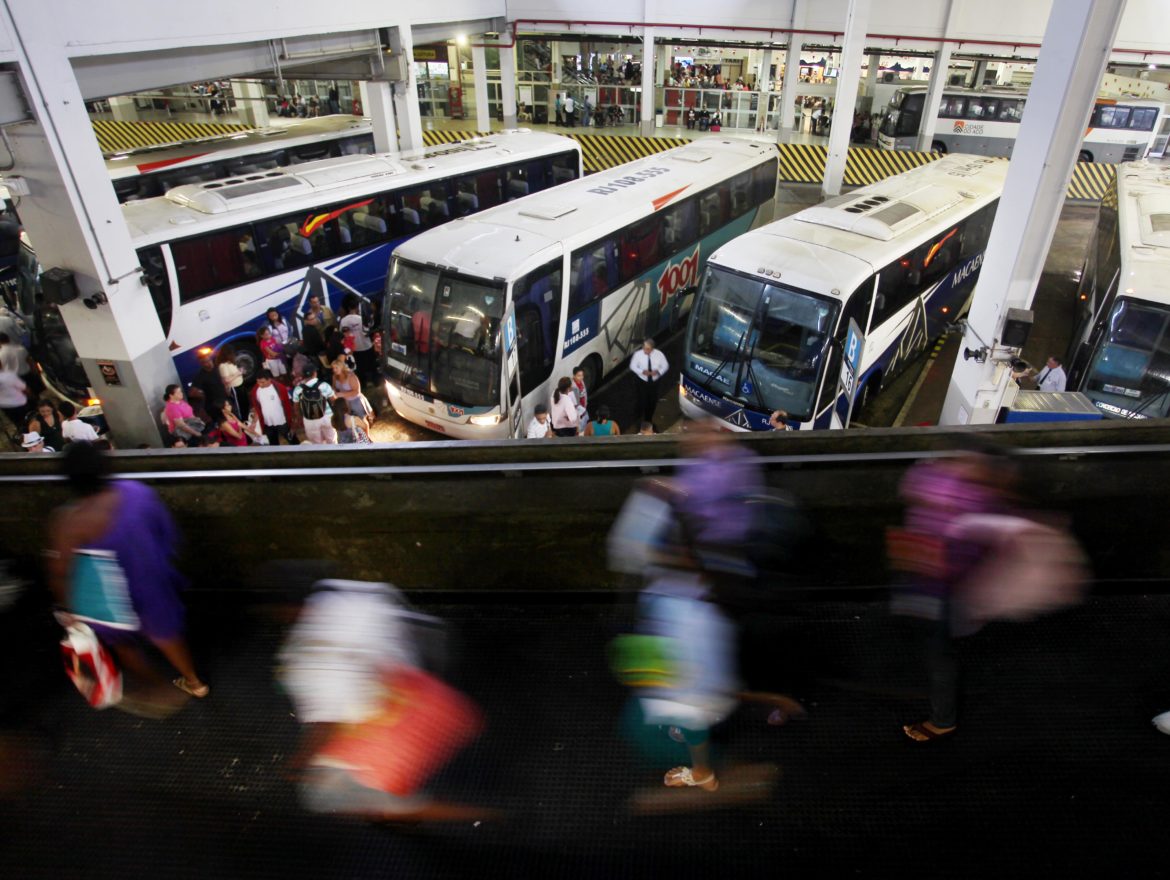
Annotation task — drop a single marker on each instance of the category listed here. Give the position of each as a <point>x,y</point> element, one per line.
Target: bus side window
<point>516,183</point>
<point>764,182</point>
<point>564,168</point>
<point>488,188</point>
<point>537,297</point>
<point>895,289</point>
<point>154,272</point>
<point>284,242</point>
<point>212,262</point>
<point>951,107</point>
<point>466,197</point>
<point>590,276</point>
<point>938,256</point>
<point>640,248</point>
<point>679,226</point>
<point>711,213</point>
<point>370,224</point>
<point>1143,118</point>
<point>1010,110</point>
<point>741,194</point>
<point>539,173</point>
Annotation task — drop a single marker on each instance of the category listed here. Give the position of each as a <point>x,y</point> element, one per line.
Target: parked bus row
<point>986,122</point>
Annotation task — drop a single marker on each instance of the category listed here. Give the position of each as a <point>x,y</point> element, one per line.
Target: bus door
<point>513,394</point>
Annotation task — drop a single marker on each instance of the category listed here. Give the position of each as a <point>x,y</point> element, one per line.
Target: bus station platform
<point>1055,767</point>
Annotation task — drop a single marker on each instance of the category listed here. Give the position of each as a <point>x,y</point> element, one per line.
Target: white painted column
<point>406,109</point>
<point>845,98</point>
<point>648,99</point>
<point>1073,56</point>
<point>73,216</point>
<point>483,115</point>
<point>788,115</point>
<point>556,86</point>
<point>978,74</point>
<point>873,68</point>
<point>378,106</point>
<point>251,107</point>
<point>934,92</point>
<point>122,108</point>
<point>763,86</point>
<point>508,84</point>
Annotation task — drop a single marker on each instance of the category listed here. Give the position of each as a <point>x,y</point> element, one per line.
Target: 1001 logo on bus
<point>678,276</point>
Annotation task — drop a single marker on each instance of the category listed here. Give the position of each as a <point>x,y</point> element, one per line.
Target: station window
<point>537,298</point>
<point>210,263</point>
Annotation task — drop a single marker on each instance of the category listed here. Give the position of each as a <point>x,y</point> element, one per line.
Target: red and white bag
<point>90,666</point>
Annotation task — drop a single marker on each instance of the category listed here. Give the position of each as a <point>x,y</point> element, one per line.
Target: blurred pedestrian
<point>350,429</point>
<point>273,408</point>
<point>580,398</point>
<point>47,421</point>
<point>34,442</point>
<point>73,428</point>
<point>272,351</point>
<point>110,565</point>
<point>232,431</point>
<point>233,381</point>
<point>179,416</point>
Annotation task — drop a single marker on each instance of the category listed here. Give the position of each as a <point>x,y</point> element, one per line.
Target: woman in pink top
<point>564,409</point>
<point>178,415</point>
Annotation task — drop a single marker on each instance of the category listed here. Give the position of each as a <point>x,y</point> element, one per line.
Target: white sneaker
<point>1162,722</point>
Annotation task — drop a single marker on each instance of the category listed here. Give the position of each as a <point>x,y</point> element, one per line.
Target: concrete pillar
<point>123,108</point>
<point>934,92</point>
<point>508,84</point>
<point>978,74</point>
<point>1073,55</point>
<point>648,100</point>
<point>483,115</point>
<point>556,85</point>
<point>406,109</point>
<point>74,219</point>
<point>364,99</point>
<point>788,115</point>
<point>872,70</point>
<point>763,86</point>
<point>845,98</point>
<point>378,104</point>
<point>661,63</point>
<point>251,107</point>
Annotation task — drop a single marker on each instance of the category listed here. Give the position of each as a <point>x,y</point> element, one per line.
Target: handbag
<point>90,666</point>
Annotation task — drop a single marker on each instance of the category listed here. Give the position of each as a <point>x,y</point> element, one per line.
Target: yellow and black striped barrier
<point>598,151</point>
<point>805,163</point>
<point>121,137</point>
<point>433,137</point>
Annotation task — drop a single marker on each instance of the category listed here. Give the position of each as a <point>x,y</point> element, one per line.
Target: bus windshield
<point>444,334</point>
<point>1130,372</point>
<point>759,343</point>
<point>903,115</point>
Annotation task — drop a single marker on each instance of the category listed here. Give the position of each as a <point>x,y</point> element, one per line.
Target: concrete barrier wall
<point>534,516</point>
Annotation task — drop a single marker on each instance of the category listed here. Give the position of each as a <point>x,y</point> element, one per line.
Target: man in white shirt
<point>313,397</point>
<point>1052,377</point>
<point>570,111</point>
<point>649,366</point>
<point>73,428</point>
<point>540,427</point>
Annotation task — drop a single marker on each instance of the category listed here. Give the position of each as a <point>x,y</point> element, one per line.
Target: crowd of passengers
<point>308,389</point>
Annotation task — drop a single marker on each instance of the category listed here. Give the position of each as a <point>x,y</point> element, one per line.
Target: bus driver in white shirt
<point>649,365</point>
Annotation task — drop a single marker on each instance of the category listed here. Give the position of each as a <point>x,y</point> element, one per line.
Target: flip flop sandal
<point>684,777</point>
<point>921,733</point>
<point>198,692</point>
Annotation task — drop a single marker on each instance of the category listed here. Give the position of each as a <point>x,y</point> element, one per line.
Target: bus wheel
<point>938,147</point>
<point>1084,156</point>
<point>248,359</point>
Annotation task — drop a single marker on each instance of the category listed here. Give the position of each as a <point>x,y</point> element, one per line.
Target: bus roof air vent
<point>550,212</point>
<point>893,214</point>
<point>695,156</point>
<point>218,197</point>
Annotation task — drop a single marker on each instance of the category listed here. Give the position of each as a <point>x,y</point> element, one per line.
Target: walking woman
<point>564,409</point>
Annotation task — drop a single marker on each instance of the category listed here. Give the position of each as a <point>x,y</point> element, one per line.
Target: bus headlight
<point>392,390</point>
<point>493,419</point>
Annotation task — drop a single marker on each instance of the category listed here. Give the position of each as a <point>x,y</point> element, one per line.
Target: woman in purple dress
<point>109,565</point>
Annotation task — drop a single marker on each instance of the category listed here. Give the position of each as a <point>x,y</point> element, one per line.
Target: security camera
<point>92,302</point>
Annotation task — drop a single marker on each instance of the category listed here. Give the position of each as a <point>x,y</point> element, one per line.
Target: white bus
<point>150,172</point>
<point>1120,355</point>
<point>217,255</point>
<point>772,318</point>
<point>987,123</point>
<point>484,315</point>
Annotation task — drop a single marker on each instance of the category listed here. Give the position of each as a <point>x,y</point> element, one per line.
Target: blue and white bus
<point>1120,355</point>
<point>483,315</point>
<point>218,255</point>
<point>898,259</point>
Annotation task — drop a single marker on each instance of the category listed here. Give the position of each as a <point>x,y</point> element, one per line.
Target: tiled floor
<point>1056,767</point>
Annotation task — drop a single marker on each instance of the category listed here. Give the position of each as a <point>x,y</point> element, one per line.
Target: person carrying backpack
<point>312,398</point>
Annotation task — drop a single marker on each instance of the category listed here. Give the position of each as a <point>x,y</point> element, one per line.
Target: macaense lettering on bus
<point>678,276</point>
<point>971,267</point>
<point>633,179</point>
